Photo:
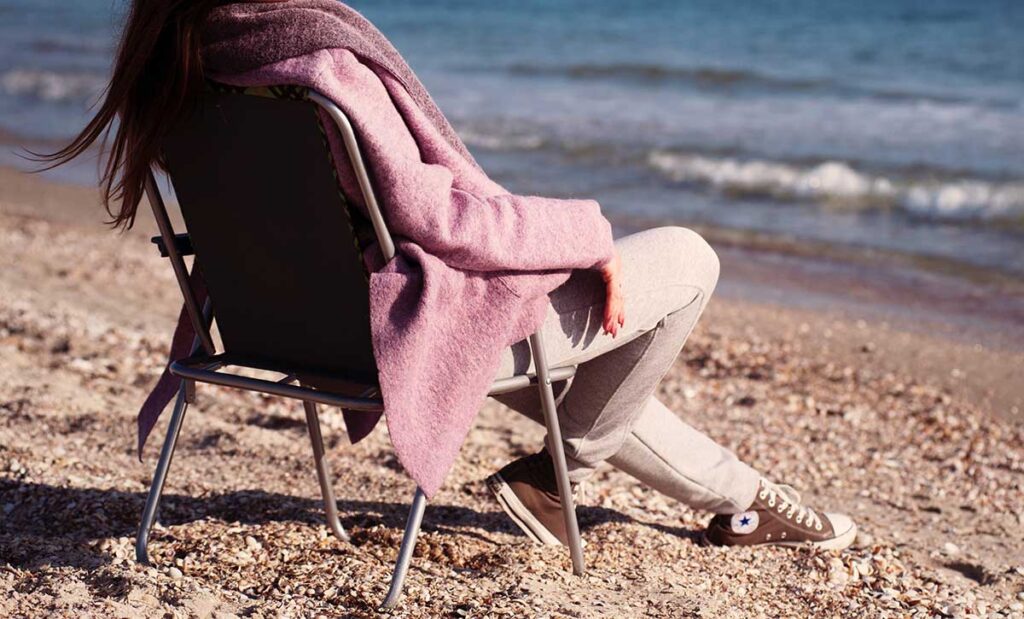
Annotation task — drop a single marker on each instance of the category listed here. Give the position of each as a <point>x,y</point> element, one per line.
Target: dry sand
<point>909,427</point>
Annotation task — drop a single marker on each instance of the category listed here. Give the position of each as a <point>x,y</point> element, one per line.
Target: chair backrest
<point>270,229</point>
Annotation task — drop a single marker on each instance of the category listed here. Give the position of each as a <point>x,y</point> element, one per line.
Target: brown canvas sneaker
<point>526,489</point>
<point>778,518</point>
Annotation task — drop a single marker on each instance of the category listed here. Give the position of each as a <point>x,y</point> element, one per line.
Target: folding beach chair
<point>269,226</point>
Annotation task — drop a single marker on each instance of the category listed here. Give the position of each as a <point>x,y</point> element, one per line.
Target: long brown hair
<point>157,74</point>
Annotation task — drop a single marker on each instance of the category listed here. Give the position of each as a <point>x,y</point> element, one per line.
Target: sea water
<point>889,124</point>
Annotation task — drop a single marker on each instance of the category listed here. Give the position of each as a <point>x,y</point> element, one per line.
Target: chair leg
<point>547,399</point>
<point>412,530</point>
<point>160,476</point>
<point>323,473</point>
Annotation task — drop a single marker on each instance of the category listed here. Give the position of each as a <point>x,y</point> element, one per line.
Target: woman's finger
<point>609,319</point>
<point>613,316</point>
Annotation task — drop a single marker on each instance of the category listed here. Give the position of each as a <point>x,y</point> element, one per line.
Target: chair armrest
<point>521,381</point>
<point>181,241</point>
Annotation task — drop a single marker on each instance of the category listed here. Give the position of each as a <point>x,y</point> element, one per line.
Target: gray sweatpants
<point>608,412</point>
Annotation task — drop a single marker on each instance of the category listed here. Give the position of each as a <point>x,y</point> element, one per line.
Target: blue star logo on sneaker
<point>745,522</point>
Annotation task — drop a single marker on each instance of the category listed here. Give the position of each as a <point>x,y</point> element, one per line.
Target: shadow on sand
<point>43,516</point>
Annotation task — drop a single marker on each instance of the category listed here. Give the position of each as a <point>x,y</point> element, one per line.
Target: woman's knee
<point>671,259</point>
<point>693,256</point>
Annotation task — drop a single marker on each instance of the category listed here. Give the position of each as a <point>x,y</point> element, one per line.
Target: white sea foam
<point>838,182</point>
<point>51,85</point>
<point>492,141</point>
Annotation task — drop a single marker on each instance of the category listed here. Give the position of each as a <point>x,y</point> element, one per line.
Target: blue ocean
<point>891,125</point>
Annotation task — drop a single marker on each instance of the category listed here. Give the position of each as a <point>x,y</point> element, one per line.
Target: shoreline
<point>842,301</point>
<point>725,237</point>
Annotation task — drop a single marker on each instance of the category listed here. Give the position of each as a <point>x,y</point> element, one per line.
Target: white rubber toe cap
<point>845,532</point>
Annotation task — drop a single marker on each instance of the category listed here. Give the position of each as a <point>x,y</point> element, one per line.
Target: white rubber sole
<point>839,542</point>
<point>515,509</point>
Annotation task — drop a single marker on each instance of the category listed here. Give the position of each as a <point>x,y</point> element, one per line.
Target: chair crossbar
<point>206,369</point>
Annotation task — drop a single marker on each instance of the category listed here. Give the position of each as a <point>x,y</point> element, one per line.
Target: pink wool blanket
<point>475,263</point>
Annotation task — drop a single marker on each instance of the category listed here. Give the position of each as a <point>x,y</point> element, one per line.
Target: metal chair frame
<point>205,365</point>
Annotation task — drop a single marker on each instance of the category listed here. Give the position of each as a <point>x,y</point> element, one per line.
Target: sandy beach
<point>876,388</point>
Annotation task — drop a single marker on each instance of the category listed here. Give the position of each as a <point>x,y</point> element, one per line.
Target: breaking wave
<point>501,142</point>
<point>838,183</point>
<point>731,80</point>
<point>52,86</point>
<point>67,44</point>
<point>704,76</point>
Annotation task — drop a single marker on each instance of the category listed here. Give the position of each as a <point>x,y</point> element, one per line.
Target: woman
<point>478,269</point>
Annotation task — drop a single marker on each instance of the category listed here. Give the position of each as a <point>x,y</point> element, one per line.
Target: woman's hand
<point>615,305</point>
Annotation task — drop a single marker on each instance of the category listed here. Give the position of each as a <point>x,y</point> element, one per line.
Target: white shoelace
<point>786,500</point>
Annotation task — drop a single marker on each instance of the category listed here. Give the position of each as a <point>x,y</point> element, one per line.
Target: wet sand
<point>890,393</point>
